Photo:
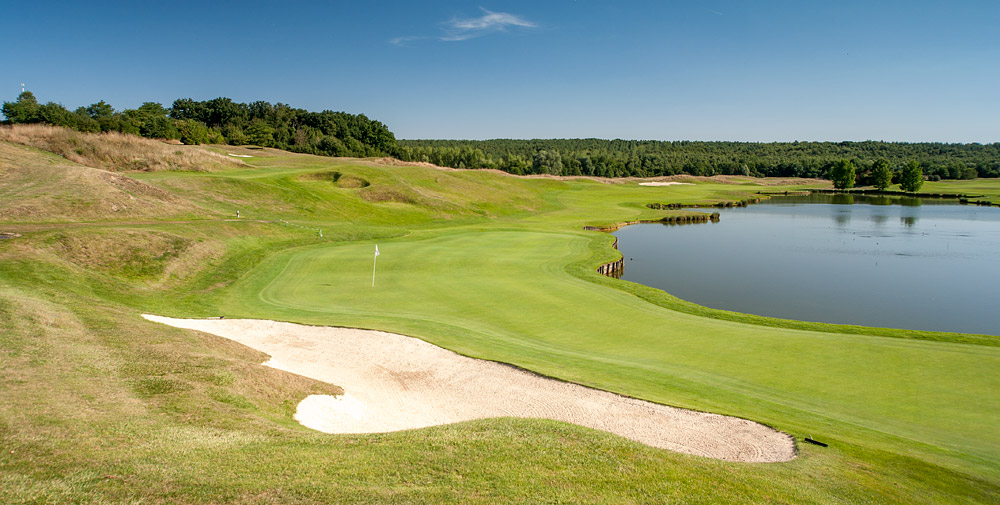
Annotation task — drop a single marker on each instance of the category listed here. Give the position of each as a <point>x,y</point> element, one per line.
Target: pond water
<point>874,261</point>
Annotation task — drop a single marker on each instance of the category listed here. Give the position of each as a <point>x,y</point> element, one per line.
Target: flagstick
<point>373,270</point>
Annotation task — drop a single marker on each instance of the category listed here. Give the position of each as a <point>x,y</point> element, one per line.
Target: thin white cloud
<point>458,29</point>
<point>401,41</point>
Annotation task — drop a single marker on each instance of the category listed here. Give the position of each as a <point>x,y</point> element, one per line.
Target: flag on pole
<point>374,261</point>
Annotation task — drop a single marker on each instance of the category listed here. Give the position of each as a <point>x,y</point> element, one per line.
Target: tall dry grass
<point>117,152</point>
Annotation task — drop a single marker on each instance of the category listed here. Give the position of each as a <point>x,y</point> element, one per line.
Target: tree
<point>100,110</point>
<point>881,174</point>
<point>151,121</point>
<point>260,133</point>
<point>548,162</point>
<point>842,174</point>
<point>234,135</point>
<point>912,177</point>
<point>192,132</point>
<point>24,110</point>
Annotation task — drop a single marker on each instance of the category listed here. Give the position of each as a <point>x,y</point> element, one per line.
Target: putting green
<point>506,295</point>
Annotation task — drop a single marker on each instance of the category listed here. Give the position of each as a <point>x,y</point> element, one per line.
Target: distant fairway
<point>505,295</point>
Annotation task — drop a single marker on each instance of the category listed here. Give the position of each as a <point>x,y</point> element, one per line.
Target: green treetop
<point>842,174</point>
<point>881,174</point>
<point>912,177</point>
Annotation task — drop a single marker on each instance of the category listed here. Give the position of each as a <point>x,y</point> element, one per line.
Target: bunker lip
<point>392,382</point>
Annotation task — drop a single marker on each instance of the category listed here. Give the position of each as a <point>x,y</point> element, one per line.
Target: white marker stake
<point>373,265</point>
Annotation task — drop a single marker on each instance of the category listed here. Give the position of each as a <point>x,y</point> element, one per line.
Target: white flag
<point>376,249</point>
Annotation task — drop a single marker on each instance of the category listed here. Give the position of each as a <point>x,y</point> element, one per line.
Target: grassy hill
<point>101,406</point>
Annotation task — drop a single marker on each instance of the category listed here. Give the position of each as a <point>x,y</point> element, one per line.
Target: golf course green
<point>489,265</point>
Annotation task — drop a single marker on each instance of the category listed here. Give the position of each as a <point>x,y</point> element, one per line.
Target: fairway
<point>505,296</point>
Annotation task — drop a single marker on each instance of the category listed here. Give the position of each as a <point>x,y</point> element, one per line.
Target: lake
<point>875,261</point>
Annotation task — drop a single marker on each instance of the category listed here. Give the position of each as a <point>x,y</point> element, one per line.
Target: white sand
<point>666,183</point>
<point>393,382</point>
<point>240,155</point>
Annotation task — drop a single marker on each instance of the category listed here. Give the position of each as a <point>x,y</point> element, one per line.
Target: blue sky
<point>714,70</point>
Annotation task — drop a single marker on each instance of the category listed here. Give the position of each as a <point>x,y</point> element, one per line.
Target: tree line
<point>220,121</point>
<point>910,178</point>
<point>647,158</point>
<point>223,121</point>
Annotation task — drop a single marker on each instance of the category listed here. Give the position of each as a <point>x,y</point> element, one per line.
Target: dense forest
<point>647,158</point>
<point>220,121</point>
<point>223,121</point>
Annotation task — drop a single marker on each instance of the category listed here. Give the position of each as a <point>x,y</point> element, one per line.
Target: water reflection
<point>842,199</point>
<point>908,221</point>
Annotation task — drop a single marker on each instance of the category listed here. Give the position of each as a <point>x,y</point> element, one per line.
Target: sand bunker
<point>666,183</point>
<point>393,382</point>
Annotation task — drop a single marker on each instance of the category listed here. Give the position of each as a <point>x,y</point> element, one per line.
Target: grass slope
<point>104,407</point>
<point>42,187</point>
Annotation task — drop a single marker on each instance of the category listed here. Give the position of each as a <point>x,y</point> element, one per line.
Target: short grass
<point>101,406</point>
<point>977,189</point>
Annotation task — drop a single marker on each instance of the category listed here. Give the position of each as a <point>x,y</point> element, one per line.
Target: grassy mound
<point>42,187</point>
<point>116,152</point>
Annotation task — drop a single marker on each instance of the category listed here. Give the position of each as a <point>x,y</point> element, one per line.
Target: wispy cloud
<point>459,29</point>
<point>399,41</point>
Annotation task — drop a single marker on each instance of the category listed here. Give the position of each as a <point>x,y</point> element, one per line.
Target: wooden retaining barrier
<point>804,192</point>
<point>613,268</point>
<point>982,203</point>
<point>718,205</point>
<point>617,267</point>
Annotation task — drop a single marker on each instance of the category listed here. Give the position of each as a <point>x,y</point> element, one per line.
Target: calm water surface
<point>873,261</point>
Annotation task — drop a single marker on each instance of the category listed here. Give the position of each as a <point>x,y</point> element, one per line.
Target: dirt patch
<point>6,235</point>
<point>393,382</point>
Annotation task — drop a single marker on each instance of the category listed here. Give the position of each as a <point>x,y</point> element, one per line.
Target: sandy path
<point>393,382</point>
<point>668,183</point>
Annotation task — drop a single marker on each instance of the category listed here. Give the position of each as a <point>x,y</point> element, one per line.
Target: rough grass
<point>101,406</point>
<point>117,152</point>
<point>41,187</point>
<point>131,254</point>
